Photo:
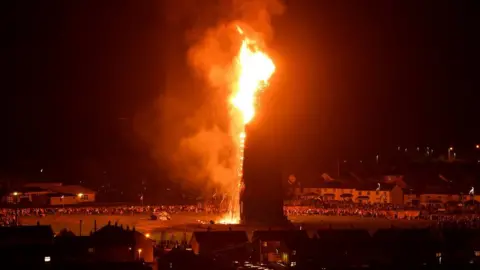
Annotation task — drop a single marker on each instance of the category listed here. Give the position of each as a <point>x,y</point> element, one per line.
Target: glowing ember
<point>253,68</point>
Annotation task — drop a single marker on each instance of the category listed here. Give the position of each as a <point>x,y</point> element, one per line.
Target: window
<point>294,252</point>
<point>439,254</point>
<point>265,244</point>
<point>85,197</point>
<point>477,253</point>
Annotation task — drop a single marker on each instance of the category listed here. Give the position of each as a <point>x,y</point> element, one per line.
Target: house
<point>343,247</point>
<point>379,193</point>
<point>328,189</point>
<point>26,244</point>
<point>410,197</point>
<point>114,243</point>
<point>460,246</point>
<point>54,194</point>
<point>405,246</point>
<point>331,190</point>
<point>61,199</point>
<point>286,246</point>
<point>71,248</point>
<point>233,243</point>
<point>439,195</point>
<point>180,259</point>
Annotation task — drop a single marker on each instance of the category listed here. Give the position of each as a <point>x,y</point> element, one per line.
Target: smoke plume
<point>189,127</point>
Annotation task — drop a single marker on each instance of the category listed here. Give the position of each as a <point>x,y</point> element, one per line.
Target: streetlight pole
<point>449,150</point>
<point>15,196</point>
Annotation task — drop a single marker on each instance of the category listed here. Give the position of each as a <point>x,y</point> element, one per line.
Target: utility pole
<point>15,198</point>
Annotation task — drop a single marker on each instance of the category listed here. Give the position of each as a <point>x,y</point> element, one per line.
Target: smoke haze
<point>189,125</point>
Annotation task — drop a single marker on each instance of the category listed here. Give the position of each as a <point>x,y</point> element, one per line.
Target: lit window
<point>265,244</point>
<point>91,250</point>
<point>47,259</point>
<point>293,264</point>
<point>294,252</point>
<point>439,254</point>
<point>477,253</point>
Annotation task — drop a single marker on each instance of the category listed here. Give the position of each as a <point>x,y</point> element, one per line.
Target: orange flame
<point>253,68</point>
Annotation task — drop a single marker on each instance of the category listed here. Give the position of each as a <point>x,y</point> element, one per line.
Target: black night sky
<point>357,78</point>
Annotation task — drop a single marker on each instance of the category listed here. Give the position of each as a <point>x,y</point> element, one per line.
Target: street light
<point>15,199</point>
<point>139,253</point>
<point>449,150</point>
<point>477,146</point>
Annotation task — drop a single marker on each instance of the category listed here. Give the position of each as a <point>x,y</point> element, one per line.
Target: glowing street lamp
<point>15,196</point>
<point>450,149</point>
<point>139,252</point>
<point>477,146</point>
<point>80,195</point>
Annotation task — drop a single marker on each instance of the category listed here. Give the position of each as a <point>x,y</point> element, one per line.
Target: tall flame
<point>253,69</point>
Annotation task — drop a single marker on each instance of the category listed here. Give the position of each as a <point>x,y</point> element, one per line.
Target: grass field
<point>183,224</point>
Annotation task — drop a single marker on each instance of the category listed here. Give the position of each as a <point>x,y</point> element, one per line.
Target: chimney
<point>38,223</point>
<point>128,228</point>
<point>116,224</point>
<point>109,223</point>
<point>133,228</point>
<point>95,225</point>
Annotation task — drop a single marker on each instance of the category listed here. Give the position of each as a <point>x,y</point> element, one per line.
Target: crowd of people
<point>8,216</point>
<point>343,209</point>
